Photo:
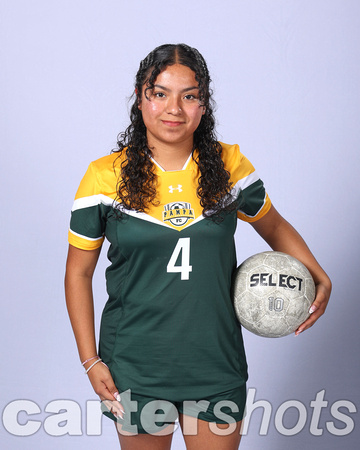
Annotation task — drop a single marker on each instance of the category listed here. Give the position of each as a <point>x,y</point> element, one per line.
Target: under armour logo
<point>172,189</point>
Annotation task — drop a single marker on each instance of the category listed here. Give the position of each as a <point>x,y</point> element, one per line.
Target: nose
<point>174,106</point>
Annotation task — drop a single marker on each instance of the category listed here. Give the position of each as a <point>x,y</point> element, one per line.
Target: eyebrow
<point>168,90</point>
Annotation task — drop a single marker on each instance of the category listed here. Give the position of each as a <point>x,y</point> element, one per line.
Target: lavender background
<point>286,81</point>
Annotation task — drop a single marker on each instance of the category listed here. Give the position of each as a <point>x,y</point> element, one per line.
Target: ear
<point>138,98</point>
<point>204,110</point>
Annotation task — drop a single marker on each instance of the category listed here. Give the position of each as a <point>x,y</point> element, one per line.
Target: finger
<point>317,308</point>
<point>113,391</point>
<point>314,316</point>
<point>114,400</point>
<point>317,304</point>
<point>104,386</point>
<point>114,407</point>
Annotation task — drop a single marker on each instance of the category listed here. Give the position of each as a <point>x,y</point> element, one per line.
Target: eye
<point>159,94</point>
<point>190,97</point>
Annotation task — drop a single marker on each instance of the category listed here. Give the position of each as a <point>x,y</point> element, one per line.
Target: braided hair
<point>136,188</point>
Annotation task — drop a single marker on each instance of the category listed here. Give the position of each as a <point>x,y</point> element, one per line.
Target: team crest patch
<point>178,213</point>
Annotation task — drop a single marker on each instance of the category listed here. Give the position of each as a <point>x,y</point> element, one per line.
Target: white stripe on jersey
<point>244,183</point>
<point>85,237</point>
<point>92,200</point>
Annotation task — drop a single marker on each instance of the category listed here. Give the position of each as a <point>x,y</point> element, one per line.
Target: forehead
<point>177,75</point>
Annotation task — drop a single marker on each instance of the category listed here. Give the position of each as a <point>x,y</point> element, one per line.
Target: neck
<point>171,157</point>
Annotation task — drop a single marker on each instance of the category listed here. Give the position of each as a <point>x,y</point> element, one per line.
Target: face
<point>172,111</point>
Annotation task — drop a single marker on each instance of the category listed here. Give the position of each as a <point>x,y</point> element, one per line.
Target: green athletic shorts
<point>146,415</point>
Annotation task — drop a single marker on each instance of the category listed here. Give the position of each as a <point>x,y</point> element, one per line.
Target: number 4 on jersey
<point>182,248</point>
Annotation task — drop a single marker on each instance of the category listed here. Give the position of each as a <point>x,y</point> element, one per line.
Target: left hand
<point>317,309</point>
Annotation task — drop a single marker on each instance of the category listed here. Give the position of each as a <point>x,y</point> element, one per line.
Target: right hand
<point>103,384</point>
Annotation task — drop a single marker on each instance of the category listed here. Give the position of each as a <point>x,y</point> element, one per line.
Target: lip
<point>170,123</point>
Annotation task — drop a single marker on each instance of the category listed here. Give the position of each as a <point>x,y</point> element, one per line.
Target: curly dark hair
<point>136,188</point>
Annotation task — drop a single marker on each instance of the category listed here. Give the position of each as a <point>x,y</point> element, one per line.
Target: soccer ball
<point>272,294</point>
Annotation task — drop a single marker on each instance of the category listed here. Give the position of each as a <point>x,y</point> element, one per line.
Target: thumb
<point>116,395</point>
<point>110,385</point>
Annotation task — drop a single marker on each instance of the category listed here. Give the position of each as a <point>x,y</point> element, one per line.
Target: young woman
<point>168,201</point>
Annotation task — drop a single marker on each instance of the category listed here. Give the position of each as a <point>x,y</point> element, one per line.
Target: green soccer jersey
<point>168,329</point>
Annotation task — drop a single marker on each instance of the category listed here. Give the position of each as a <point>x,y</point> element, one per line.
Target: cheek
<point>196,115</point>
<point>150,110</point>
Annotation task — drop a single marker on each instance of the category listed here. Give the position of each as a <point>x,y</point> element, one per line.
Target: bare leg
<point>202,435</point>
<point>158,441</point>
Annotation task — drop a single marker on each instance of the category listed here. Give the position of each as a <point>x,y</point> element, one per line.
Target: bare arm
<point>282,237</point>
<point>80,268</point>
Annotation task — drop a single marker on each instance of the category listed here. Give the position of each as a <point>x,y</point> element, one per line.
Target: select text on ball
<point>270,279</point>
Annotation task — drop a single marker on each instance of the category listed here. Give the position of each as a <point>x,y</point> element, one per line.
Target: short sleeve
<point>253,199</point>
<point>87,224</point>
<point>248,189</point>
